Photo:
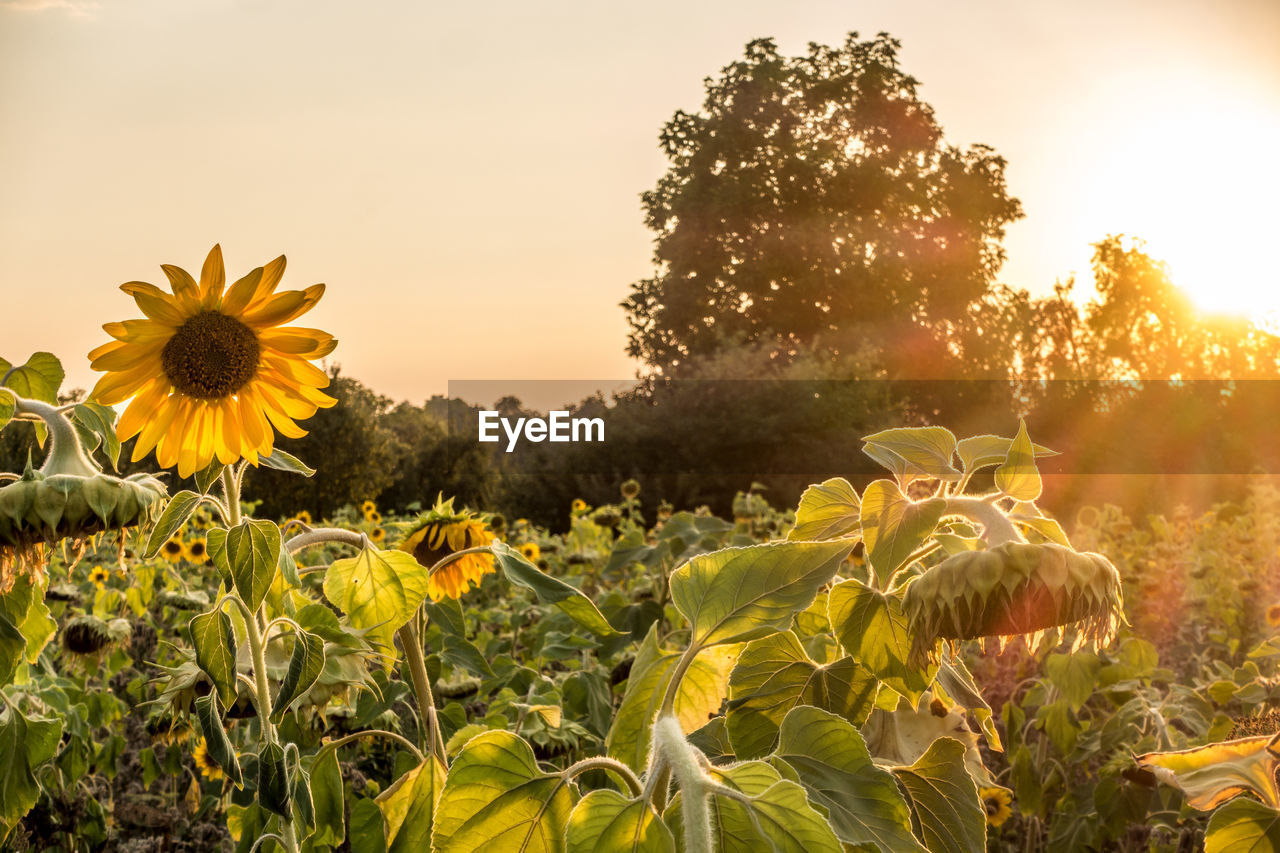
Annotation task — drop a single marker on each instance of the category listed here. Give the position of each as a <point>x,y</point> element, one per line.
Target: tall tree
<point>813,200</point>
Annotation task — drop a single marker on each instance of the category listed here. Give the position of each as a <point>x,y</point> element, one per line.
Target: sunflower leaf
<point>273,780</point>
<point>378,590</point>
<point>38,379</point>
<point>215,647</point>
<point>249,554</point>
<point>305,665</point>
<point>827,510</point>
<point>551,590</point>
<point>208,475</point>
<point>1018,476</point>
<point>1243,826</point>
<point>209,715</point>
<point>606,820</point>
<point>409,806</point>
<point>100,421</point>
<point>25,744</point>
<point>945,799</point>
<point>282,461</point>
<point>175,515</point>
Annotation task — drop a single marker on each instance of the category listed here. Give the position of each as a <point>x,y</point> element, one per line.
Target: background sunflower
<point>211,373</point>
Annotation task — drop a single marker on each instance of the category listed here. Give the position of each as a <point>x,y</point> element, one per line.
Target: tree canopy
<point>813,200</point>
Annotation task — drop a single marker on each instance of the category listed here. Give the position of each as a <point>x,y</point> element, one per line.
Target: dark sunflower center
<point>211,356</point>
<point>428,556</point>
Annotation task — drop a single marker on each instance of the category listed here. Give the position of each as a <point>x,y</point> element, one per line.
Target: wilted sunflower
<point>1273,616</point>
<point>444,531</point>
<point>209,370</point>
<point>995,802</point>
<point>208,768</point>
<point>99,576</point>
<point>531,551</point>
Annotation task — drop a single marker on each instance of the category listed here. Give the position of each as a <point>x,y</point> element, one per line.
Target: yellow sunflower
<point>208,768</point>
<point>99,576</point>
<point>173,549</point>
<point>444,531</point>
<point>197,551</point>
<point>579,505</point>
<point>1273,616</point>
<point>377,534</point>
<point>995,802</point>
<point>209,369</point>
<point>374,517</point>
<point>368,507</point>
<point>531,551</point>
<point>304,517</point>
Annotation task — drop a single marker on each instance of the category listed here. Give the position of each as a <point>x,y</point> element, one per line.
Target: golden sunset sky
<point>466,177</point>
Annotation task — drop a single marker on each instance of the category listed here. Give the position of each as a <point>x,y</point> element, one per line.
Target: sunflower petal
<point>271,275</point>
<point>127,356</point>
<point>155,303</point>
<point>240,294</point>
<point>283,307</point>
<point>137,331</point>
<point>116,387</point>
<point>142,410</point>
<point>184,287</point>
<point>213,277</point>
<point>155,429</point>
<point>297,340</point>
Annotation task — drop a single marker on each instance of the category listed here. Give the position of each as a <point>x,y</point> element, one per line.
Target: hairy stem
<point>422,687</point>
<point>669,739</point>
<point>997,529</point>
<point>600,762</point>
<point>66,454</point>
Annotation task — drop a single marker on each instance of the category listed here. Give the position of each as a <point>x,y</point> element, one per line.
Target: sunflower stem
<point>422,687</point>
<point>66,454</point>
<point>997,529</point>
<point>231,490</point>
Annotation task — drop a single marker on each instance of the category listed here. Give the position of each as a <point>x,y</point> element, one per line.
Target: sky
<point>465,178</point>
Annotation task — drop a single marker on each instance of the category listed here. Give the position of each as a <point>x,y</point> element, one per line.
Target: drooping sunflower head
<point>88,635</point>
<point>995,802</point>
<point>211,371</point>
<point>208,768</point>
<point>173,549</point>
<point>1014,589</point>
<point>443,531</point>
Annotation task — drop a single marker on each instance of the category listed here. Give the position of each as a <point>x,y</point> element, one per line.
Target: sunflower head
<point>303,517</point>
<point>531,551</point>
<point>212,373</point>
<point>374,517</point>
<point>377,534</point>
<point>168,730</point>
<point>173,549</point>
<point>995,802</point>
<point>1273,616</point>
<point>1014,589</point>
<point>99,575</point>
<point>368,507</point>
<point>197,550</point>
<point>631,489</point>
<point>38,509</point>
<point>88,635</point>
<point>443,531</point>
<point>208,768</point>
<point>579,505</point>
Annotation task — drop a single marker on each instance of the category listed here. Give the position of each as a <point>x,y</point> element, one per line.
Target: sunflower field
<point>927,663</point>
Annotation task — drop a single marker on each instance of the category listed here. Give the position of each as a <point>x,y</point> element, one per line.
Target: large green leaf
<point>305,665</point>
<point>1213,774</point>
<point>739,594</point>
<point>945,799</point>
<point>700,694</point>
<point>38,379</point>
<point>833,764</point>
<point>274,784</point>
<point>215,646</point>
<point>894,526</point>
<point>1018,476</point>
<point>827,510</point>
<point>777,816</point>
<point>873,629</point>
<point>979,451</point>
<point>176,512</point>
<point>1075,674</point>
<point>12,646</point>
<point>282,461</point>
<point>250,554</point>
<point>551,590</point>
<point>409,805</point>
<point>915,452</point>
<point>24,608</point>
<point>378,590</point>
<point>99,421</point>
<point>25,744</point>
<point>774,675</point>
<point>209,717</point>
<point>327,797</point>
<point>604,821</point>
<point>1243,826</point>
<point>496,798</point>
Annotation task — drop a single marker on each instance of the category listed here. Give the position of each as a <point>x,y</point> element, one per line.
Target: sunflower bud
<point>631,489</point>
<point>1014,589</point>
